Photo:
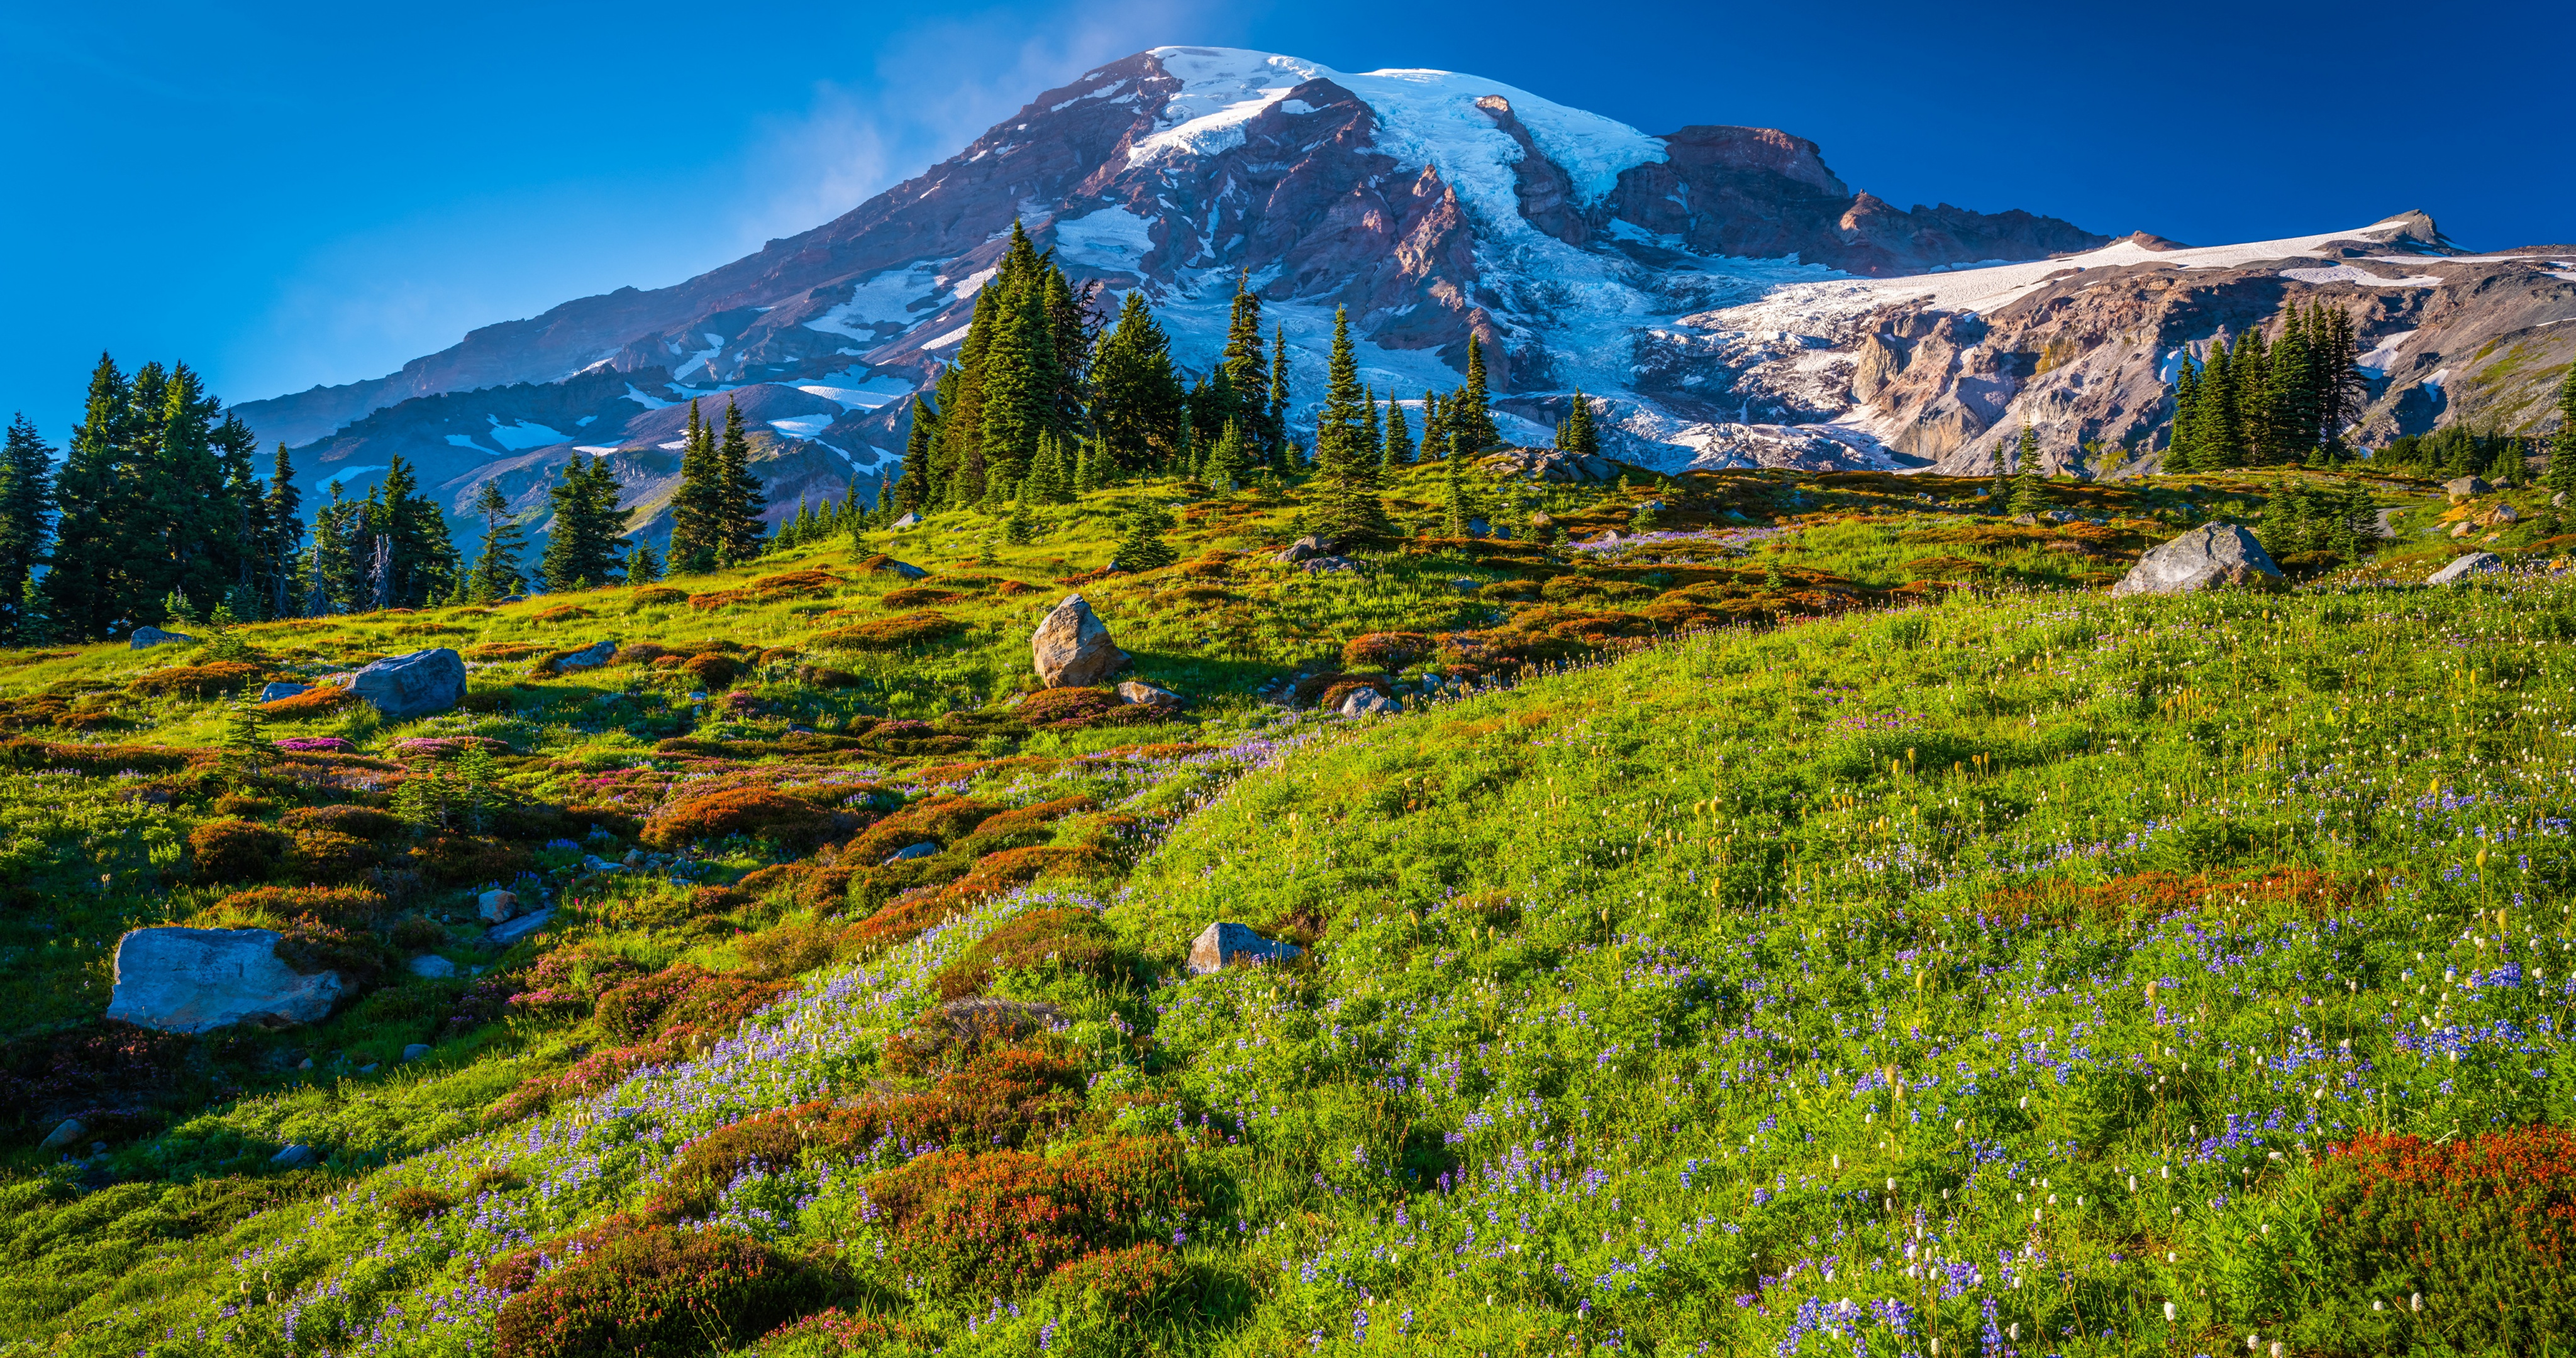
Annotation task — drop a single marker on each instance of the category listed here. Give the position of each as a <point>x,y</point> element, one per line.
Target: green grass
<point>1628,992</point>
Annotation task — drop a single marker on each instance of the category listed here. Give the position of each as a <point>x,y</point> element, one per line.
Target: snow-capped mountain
<point>1730,298</point>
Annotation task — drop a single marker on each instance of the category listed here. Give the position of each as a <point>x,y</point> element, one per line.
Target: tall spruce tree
<point>1230,461</point>
<point>26,506</point>
<point>1471,412</point>
<point>697,507</point>
<point>1275,420</point>
<point>1399,438</point>
<point>83,587</point>
<point>1020,376</point>
<point>2290,393</point>
<point>585,540</point>
<point>1137,402</point>
<point>2182,444</point>
<point>420,565</point>
<point>1577,434</point>
<point>2559,476</point>
<point>1352,510</point>
<point>743,504</point>
<point>285,519</point>
<point>496,572</point>
<point>1435,426</point>
<point>1247,373</point>
<point>912,488</point>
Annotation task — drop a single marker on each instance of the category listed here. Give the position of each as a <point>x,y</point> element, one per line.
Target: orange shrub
<point>1002,1220</point>
<point>919,596</point>
<point>940,819</point>
<point>2484,1227</point>
<point>832,1332</point>
<point>236,850</point>
<point>331,905</point>
<point>891,634</point>
<point>212,679</point>
<point>790,583</point>
<point>714,671</point>
<point>503,651</point>
<point>755,811</point>
<point>654,1292</point>
<point>1139,1283</point>
<point>560,613</point>
<point>329,856</point>
<point>656,596</point>
<point>312,702</point>
<point>1070,709</point>
<point>1384,650</point>
<point>715,599</point>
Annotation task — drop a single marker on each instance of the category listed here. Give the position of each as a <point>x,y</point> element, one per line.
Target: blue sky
<point>285,195</point>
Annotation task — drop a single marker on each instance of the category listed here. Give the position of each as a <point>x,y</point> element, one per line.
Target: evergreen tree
<point>584,542</point>
<point>2182,444</point>
<point>1247,376</point>
<point>1276,431</point>
<point>2335,354</point>
<point>2219,443</point>
<point>1230,461</point>
<point>417,563</point>
<point>697,507</point>
<point>2027,496</point>
<point>1020,374</point>
<point>1435,426</point>
<point>1471,415</point>
<point>912,488</point>
<point>1188,457</point>
<point>1372,440</point>
<point>496,572</point>
<point>1577,434</point>
<point>1352,510</point>
<point>643,565</point>
<point>957,457</point>
<point>26,505</point>
<point>2559,476</point>
<point>1073,327</point>
<point>82,588</point>
<point>1399,439</point>
<point>1453,495</point>
<point>1137,402</point>
<point>1142,547</point>
<point>285,519</point>
<point>2290,394</point>
<point>1021,528</point>
<point>742,504</point>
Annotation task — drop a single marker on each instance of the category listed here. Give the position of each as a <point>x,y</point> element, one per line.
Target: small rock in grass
<point>145,638</point>
<point>924,849</point>
<point>504,935</point>
<point>1142,694</point>
<point>497,907</point>
<point>2466,488</point>
<point>1465,586</point>
<point>432,966</point>
<point>305,1064</point>
<point>1225,942</point>
<point>369,1068</point>
<point>590,658</point>
<point>2475,563</point>
<point>418,1051</point>
<point>295,1157</point>
<point>901,570</point>
<point>1368,702</point>
<point>909,520</point>
<point>1327,565</point>
<point>65,1135</point>
<point>270,693</point>
<point>1302,549</point>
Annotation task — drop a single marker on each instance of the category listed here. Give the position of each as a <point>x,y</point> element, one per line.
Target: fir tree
<point>286,535</point>
<point>496,572</point>
<point>1352,509</point>
<point>913,488</point>
<point>2026,452</point>
<point>1021,528</point>
<point>584,540</point>
<point>1247,376</point>
<point>2289,397</point>
<point>697,507</point>
<point>2182,444</point>
<point>245,744</point>
<point>1435,426</point>
<point>2559,477</point>
<point>1275,431</point>
<point>26,503</point>
<point>1229,462</point>
<point>743,503</point>
<point>1142,547</point>
<point>643,565</point>
<point>83,586</point>
<point>2027,497</point>
<point>1137,402</point>
<point>1471,415</point>
<point>1399,439</point>
<point>1576,435</point>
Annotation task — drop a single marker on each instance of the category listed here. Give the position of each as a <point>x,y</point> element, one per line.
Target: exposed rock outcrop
<point>2213,556</point>
<point>199,980</point>
<point>1073,648</point>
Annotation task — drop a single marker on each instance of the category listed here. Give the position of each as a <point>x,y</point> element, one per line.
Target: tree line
<point>2273,401</point>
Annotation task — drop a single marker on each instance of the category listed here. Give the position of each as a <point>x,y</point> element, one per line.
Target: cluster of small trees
<point>2269,402</point>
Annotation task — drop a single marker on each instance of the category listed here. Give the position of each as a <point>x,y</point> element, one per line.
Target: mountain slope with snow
<point>1728,296</point>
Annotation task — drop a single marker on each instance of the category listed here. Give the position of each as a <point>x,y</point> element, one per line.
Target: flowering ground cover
<point>1994,963</point>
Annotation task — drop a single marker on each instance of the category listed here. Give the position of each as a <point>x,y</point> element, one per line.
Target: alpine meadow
<point>1280,712</point>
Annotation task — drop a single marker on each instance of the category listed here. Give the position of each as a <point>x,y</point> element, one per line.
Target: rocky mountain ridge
<point>1730,299</point>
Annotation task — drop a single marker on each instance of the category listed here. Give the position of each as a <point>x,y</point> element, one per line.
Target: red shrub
<point>891,634</point>
<point>828,1333</point>
<point>714,671</point>
<point>210,680</point>
<point>1140,1282</point>
<point>236,850</point>
<point>414,1203</point>
<point>312,702</point>
<point>1071,709</point>
<point>1384,650</point>
<point>331,905</point>
<point>1002,1220</point>
<point>658,1291</point>
<point>938,819</point>
<point>2485,1228</point>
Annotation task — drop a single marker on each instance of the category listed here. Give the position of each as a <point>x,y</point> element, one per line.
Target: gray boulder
<point>503,935</point>
<point>1142,694</point>
<point>414,685</point>
<point>295,1157</point>
<point>1465,586</point>
<point>270,693</point>
<point>901,570</point>
<point>2475,563</point>
<point>1224,943</point>
<point>1073,649</point>
<point>1368,702</point>
<point>199,980</point>
<point>924,849</point>
<point>497,907</point>
<point>1301,549</point>
<point>430,966</point>
<point>65,1135</point>
<point>145,638</point>
<point>589,658</point>
<point>1327,565</point>
<point>418,1051</point>
<point>2467,488</point>
<point>909,520</point>
<point>2207,557</point>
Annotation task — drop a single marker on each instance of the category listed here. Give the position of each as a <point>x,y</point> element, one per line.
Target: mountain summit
<point>1720,286</point>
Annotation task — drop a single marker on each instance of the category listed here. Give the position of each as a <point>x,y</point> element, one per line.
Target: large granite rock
<point>1073,648</point>
<point>145,638</point>
<point>2207,557</point>
<point>2475,563</point>
<point>198,980</point>
<point>414,685</point>
<point>1368,702</point>
<point>1224,943</point>
<point>2467,488</point>
<point>281,690</point>
<point>1138,693</point>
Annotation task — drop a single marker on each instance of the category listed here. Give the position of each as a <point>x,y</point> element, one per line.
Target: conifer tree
<point>583,543</point>
<point>743,503</point>
<point>1188,455</point>
<point>697,508</point>
<point>26,504</point>
<point>2027,497</point>
<point>2182,445</point>
<point>2559,477</point>
<point>1247,376</point>
<point>81,589</point>
<point>496,572</point>
<point>1399,438</point>
<point>1435,426</point>
<point>1577,434</point>
<point>1229,463</point>
<point>1352,510</point>
<point>2289,397</point>
<point>1137,403</point>
<point>286,536</point>
<point>913,488</point>
<point>1472,415</point>
<point>1372,440</point>
<point>1142,548</point>
<point>1275,432</point>
<point>643,565</point>
<point>1021,528</point>
<point>2026,452</point>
